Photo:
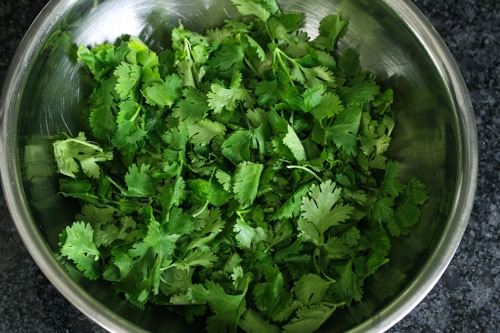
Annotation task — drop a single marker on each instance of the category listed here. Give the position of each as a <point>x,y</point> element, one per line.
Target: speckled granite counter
<point>465,300</point>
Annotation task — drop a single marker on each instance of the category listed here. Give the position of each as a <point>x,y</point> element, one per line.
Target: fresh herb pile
<point>240,173</point>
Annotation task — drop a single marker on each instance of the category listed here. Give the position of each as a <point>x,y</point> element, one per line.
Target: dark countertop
<point>466,299</point>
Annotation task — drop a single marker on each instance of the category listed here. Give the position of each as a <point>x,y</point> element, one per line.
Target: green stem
<point>198,213</point>
<point>306,170</point>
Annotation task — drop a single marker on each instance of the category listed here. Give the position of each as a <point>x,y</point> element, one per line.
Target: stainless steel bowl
<point>435,138</point>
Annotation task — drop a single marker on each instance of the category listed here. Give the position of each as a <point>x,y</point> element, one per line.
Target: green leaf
<point>407,212</point>
<point>197,258</point>
<point>128,78</point>
<point>227,309</point>
<point>271,295</point>
<point>228,57</point>
<point>336,248</point>
<point>75,154</point>
<point>349,63</point>
<point>220,97</point>
<point>212,225</point>
<point>224,179</point>
<point>260,52</point>
<point>291,207</point>
<point>199,191</point>
<point>329,106</point>
<point>246,182</point>
<point>311,288</point>
<point>204,131</point>
<point>331,28</point>
<point>236,147</point>
<point>218,194</point>
<point>252,322</point>
<point>177,138</point>
<point>267,93</point>
<point>163,246</point>
<point>178,222</point>
<point>313,96</point>
<point>391,184</point>
<point>417,191</point>
<point>381,243</point>
<point>130,135</point>
<point>360,92</point>
<point>247,235</point>
<point>322,210</point>
<point>77,245</point>
<point>164,93</point>
<point>103,121</point>
<point>309,318</point>
<point>383,210</point>
<point>292,141</point>
<point>293,98</point>
<point>252,7</point>
<point>139,181</point>
<point>193,107</point>
<point>140,54</point>
<point>348,287</point>
<point>343,132</point>
<point>175,194</point>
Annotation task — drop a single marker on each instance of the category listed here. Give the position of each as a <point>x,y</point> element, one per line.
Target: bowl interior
<point>427,139</point>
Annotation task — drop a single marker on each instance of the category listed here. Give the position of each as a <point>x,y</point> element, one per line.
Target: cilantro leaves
<point>240,173</point>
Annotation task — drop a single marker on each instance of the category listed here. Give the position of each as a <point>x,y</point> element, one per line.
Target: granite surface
<point>466,299</point>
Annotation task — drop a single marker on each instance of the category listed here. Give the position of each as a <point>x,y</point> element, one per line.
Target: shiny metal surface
<point>435,138</point>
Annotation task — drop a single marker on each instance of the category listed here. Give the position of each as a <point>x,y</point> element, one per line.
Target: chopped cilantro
<point>239,175</point>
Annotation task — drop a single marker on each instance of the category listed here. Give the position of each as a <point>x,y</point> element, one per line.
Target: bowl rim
<point>387,317</point>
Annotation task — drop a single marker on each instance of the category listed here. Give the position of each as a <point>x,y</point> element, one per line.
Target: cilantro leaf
<point>75,154</point>
<point>220,97</point>
<point>252,322</point>
<point>204,131</point>
<point>329,105</point>
<point>77,245</point>
<point>247,235</point>
<point>407,212</point>
<point>227,309</point>
<point>291,207</point>
<point>253,7</point>
<point>128,79</point>
<point>236,147</point>
<point>228,57</point>
<point>361,91</point>
<point>197,257</point>
<point>103,121</point>
<point>309,318</point>
<point>322,210</point>
<point>348,286</point>
<point>246,182</point>
<point>311,288</point>
<point>343,131</point>
<point>139,181</point>
<point>130,135</point>
<point>313,96</point>
<point>193,107</point>
<point>331,28</point>
<point>267,92</point>
<point>292,141</point>
<point>163,93</point>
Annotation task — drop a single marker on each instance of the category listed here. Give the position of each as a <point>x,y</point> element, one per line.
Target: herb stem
<point>306,170</point>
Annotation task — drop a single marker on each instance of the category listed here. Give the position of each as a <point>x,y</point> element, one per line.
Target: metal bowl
<point>435,138</point>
